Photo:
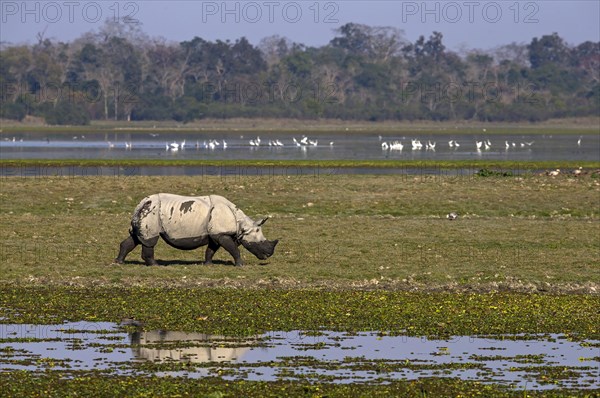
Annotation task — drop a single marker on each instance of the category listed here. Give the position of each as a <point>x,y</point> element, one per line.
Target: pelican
<point>554,173</point>
<point>224,145</point>
<point>430,146</point>
<point>456,144</point>
<point>304,140</point>
<point>578,171</point>
<point>451,143</point>
<point>487,145</point>
<point>384,145</point>
<point>313,143</point>
<point>174,146</point>
<point>182,145</point>
<point>506,144</point>
<point>478,144</point>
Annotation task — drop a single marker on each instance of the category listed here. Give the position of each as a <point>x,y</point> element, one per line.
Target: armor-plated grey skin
<point>188,222</point>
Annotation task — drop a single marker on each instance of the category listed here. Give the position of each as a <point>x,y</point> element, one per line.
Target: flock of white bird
<point>303,142</point>
<point>417,145</point>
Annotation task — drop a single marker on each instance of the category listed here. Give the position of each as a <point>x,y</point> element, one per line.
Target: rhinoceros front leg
<point>229,244</point>
<point>210,251</point>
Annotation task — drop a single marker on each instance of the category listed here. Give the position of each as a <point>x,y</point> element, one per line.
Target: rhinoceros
<point>188,222</point>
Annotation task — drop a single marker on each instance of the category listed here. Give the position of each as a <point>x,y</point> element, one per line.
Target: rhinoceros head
<point>255,242</point>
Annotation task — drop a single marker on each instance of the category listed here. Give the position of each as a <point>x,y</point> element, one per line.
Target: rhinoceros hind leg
<point>125,248</point>
<point>210,251</point>
<point>148,255</point>
<point>227,242</point>
<point>148,252</point>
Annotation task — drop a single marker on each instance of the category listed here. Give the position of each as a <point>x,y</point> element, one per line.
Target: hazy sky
<point>468,24</point>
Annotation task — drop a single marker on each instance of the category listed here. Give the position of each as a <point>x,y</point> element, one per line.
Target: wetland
<point>371,292</point>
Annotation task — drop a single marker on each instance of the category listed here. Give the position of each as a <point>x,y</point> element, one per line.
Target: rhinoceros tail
<point>145,222</point>
<point>138,216</point>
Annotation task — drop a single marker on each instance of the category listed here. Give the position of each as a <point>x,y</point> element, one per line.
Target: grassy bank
<point>24,167</point>
<point>568,125</point>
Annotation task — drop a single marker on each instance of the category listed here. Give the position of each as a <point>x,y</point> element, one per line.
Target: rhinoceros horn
<point>261,222</point>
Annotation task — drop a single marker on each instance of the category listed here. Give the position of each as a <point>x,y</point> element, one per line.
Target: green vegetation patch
<point>246,312</point>
<point>97,384</point>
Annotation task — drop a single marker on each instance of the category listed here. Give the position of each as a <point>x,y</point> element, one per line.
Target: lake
<point>519,146</point>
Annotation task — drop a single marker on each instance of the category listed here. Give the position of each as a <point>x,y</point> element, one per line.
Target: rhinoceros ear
<point>261,222</point>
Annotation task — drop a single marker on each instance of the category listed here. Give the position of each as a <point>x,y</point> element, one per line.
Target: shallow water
<point>532,361</point>
<point>338,146</point>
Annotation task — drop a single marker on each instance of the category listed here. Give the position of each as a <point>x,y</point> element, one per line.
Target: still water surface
<point>366,357</point>
<point>286,146</point>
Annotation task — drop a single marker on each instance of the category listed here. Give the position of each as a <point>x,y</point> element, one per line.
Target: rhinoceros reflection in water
<point>147,345</point>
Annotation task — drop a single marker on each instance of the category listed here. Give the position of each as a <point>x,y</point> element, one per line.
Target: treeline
<point>363,73</point>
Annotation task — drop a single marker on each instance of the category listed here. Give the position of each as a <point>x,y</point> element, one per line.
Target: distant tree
<point>15,63</point>
<point>515,53</point>
<point>67,113</point>
<point>378,43</point>
<point>425,56</point>
<point>586,57</point>
<point>549,49</point>
<point>364,72</point>
<point>274,48</point>
<point>168,66</point>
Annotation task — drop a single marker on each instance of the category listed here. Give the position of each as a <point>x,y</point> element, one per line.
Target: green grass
<point>23,167</point>
<point>522,233</point>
